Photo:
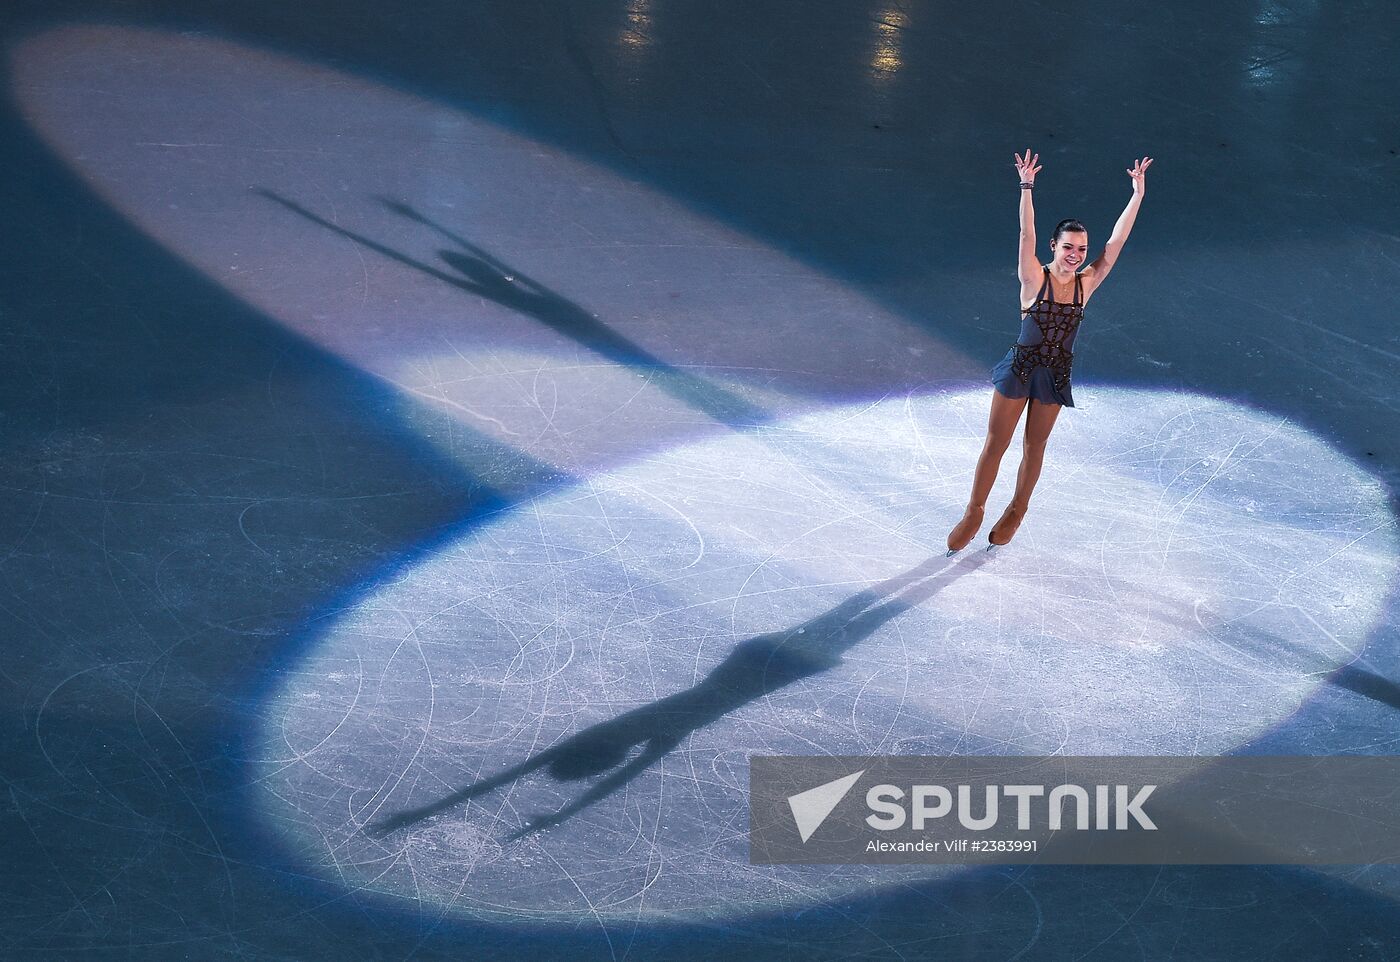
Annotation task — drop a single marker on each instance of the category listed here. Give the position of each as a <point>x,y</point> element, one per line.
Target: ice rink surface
<point>444,443</point>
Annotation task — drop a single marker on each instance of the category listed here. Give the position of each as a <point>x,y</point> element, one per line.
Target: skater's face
<point>1071,249</point>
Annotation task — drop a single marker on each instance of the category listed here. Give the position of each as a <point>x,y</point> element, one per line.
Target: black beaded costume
<point>1038,364</point>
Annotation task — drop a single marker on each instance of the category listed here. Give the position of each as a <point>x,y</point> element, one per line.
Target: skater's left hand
<point>1139,174</point>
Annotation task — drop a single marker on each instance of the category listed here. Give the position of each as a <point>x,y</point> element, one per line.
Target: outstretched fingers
<point>1027,164</point>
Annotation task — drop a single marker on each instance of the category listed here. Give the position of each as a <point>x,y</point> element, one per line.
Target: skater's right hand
<point>1025,166</point>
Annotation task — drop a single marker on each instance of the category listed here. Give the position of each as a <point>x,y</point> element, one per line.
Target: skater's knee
<point>999,440</point>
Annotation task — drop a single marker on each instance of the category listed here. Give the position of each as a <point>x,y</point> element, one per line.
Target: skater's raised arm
<point>1027,267</point>
<point>1124,227</point>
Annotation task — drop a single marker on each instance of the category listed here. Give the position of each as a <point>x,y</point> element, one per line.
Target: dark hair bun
<point>1069,224</point>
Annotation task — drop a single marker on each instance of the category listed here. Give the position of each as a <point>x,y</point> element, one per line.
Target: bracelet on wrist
<point>1026,186</point>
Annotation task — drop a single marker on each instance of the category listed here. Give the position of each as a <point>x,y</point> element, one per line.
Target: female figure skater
<point>1034,375</point>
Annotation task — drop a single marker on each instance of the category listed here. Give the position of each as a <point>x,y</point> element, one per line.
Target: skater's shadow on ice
<point>476,271</point>
<point>753,668</point>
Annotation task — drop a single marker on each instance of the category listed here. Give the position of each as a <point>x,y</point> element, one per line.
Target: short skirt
<point>1039,384</point>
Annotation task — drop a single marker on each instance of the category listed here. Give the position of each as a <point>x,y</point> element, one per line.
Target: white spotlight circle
<point>1189,572</point>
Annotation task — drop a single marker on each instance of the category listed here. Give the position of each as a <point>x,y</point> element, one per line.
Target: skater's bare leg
<point>1040,420</point>
<point>1001,427</point>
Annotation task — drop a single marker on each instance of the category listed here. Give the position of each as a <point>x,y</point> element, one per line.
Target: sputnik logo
<point>810,808</point>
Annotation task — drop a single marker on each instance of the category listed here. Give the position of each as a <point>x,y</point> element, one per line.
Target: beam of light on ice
<point>550,717</point>
<point>570,312</point>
